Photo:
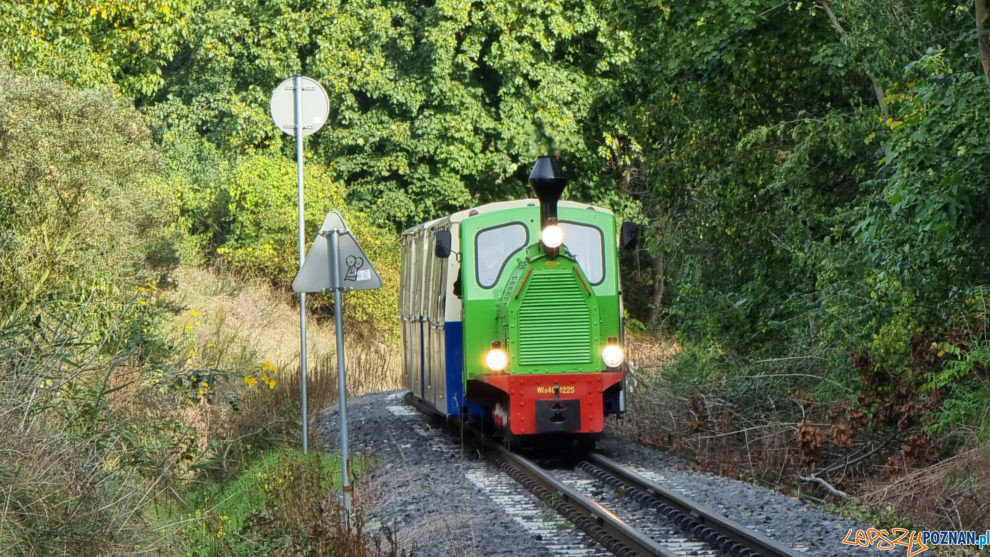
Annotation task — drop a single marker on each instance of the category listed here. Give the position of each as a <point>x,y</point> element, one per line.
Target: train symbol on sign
<point>356,270</point>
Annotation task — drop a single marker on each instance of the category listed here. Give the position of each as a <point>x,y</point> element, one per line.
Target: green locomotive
<point>511,313</point>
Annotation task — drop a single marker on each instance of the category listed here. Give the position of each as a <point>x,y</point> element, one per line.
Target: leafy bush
<point>81,213</point>
<point>263,234</point>
<point>197,180</point>
<point>85,227</point>
<point>285,502</point>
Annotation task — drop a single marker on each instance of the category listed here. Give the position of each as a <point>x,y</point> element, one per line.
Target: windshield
<point>493,247</point>
<point>587,245</point>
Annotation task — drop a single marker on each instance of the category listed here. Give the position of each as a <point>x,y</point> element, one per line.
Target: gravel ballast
<point>440,498</point>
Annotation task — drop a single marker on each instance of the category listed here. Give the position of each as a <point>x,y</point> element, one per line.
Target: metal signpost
<point>320,272</point>
<point>299,107</point>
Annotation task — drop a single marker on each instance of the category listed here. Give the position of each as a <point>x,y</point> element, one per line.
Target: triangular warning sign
<point>356,270</point>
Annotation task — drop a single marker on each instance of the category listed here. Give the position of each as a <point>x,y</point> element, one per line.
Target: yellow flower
<point>211,345</point>
<point>194,313</point>
<point>250,381</point>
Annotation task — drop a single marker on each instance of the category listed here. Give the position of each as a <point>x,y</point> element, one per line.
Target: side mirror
<point>629,235</point>
<point>442,247</point>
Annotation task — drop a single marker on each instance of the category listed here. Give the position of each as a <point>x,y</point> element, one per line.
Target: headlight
<point>496,359</point>
<point>612,356</point>
<point>552,236</point>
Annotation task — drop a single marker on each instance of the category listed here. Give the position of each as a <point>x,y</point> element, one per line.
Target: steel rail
<point>701,514</point>
<point>595,520</point>
<point>590,516</point>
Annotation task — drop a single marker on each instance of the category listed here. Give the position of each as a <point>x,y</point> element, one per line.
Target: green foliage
<point>263,214</point>
<point>83,218</point>
<point>263,239</point>
<point>934,187</point>
<point>966,369</point>
<point>197,177</point>
<point>280,503</point>
<point>92,44</point>
<point>798,215</point>
<point>433,107</point>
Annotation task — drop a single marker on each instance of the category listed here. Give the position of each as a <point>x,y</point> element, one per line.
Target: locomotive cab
<point>501,326</point>
<point>536,326</point>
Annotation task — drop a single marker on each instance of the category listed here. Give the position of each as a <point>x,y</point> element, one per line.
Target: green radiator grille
<point>554,321</point>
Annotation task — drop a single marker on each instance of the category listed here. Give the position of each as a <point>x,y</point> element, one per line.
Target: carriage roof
<point>496,206</point>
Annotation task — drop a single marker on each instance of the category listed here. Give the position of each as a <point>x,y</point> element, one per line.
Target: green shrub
<point>284,503</point>
<point>85,226</point>
<point>197,181</point>
<point>83,216</point>
<point>263,234</point>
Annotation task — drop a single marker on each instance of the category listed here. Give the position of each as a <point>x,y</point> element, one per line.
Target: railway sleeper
<point>585,523</point>
<point>685,522</point>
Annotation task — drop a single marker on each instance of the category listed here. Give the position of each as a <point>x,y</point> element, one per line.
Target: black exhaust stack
<point>549,182</point>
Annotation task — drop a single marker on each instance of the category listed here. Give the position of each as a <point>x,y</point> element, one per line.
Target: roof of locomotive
<point>498,206</point>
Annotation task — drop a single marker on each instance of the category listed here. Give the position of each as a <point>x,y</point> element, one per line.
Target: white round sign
<point>314,106</point>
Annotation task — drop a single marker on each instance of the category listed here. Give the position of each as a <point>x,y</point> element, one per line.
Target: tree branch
<point>812,479</point>
<point>847,462</point>
<point>877,89</point>
<point>981,37</point>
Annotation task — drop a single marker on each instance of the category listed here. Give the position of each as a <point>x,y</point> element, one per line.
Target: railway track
<point>725,536</point>
<point>624,512</point>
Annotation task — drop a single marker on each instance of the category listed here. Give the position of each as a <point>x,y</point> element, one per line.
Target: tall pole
<point>297,98</point>
<point>338,317</point>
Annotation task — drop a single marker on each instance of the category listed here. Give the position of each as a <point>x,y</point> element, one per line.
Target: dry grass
<point>951,495</point>
<point>647,402</point>
<point>253,316</point>
<point>647,355</point>
<point>251,330</point>
<point>256,318</point>
<point>801,438</point>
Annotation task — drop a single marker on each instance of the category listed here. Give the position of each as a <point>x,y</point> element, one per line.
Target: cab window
<point>493,247</point>
<point>587,244</point>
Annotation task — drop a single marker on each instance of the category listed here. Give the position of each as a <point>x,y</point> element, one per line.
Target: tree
<point>76,173</point>
<point>90,44</point>
<point>434,107</point>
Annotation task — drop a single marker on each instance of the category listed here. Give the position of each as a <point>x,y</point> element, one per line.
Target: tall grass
<point>370,367</point>
<point>76,473</point>
<point>283,503</point>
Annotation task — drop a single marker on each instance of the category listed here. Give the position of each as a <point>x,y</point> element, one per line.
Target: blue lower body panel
<point>454,363</point>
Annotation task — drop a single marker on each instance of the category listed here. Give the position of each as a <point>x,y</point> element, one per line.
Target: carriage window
<point>493,247</point>
<point>588,246</point>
